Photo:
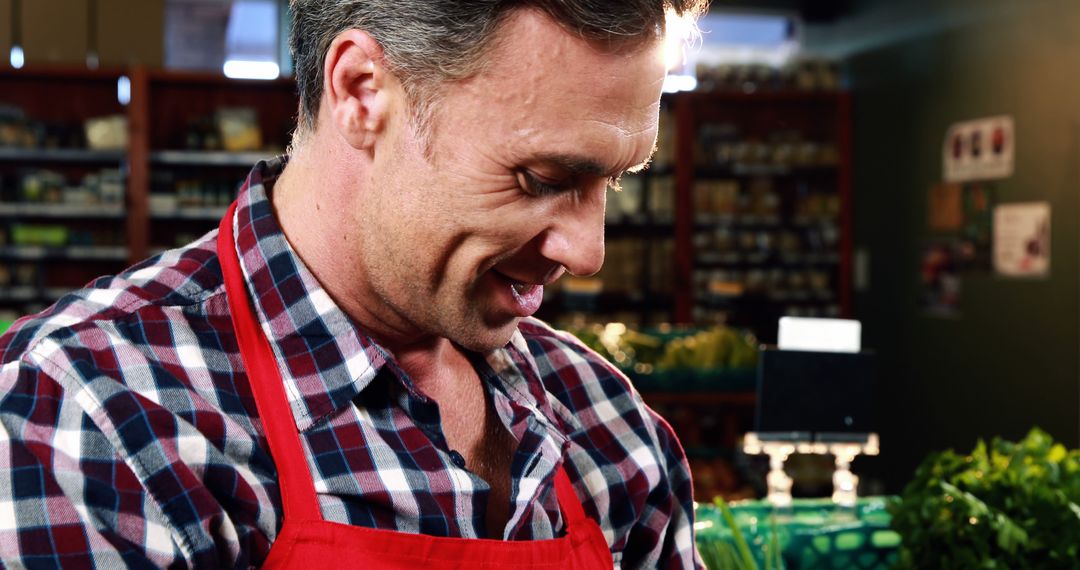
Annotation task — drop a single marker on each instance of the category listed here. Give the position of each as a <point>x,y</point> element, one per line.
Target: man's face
<point>459,242</point>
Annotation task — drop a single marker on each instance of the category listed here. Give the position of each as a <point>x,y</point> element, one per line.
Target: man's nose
<point>575,238</point>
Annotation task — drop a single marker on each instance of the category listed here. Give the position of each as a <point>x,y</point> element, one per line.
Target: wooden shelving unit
<point>162,107</point>
<point>159,159</point>
<point>79,239</point>
<point>819,121</point>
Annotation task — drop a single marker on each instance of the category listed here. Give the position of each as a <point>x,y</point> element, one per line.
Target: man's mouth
<point>527,296</point>
<point>523,288</point>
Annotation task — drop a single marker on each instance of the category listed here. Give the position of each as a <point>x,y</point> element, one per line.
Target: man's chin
<point>484,339</point>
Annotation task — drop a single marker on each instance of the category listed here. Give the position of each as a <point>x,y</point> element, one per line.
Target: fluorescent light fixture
<point>241,69</point>
<point>820,335</point>
<point>123,90</point>
<point>18,59</point>
<point>743,38</point>
<point>676,83</point>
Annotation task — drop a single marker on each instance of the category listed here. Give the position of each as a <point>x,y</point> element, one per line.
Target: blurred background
<point>912,165</point>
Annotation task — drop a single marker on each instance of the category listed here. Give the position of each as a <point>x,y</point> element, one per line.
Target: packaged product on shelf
<point>202,134</point>
<point>107,133</point>
<point>715,199</point>
<point>715,145</point>
<point>111,187</point>
<point>14,131</point>
<point>747,240</point>
<point>764,201</point>
<point>239,129</point>
<point>806,75</point>
<point>662,266</point>
<point>17,130</point>
<point>25,275</point>
<point>622,267</point>
<point>788,243</point>
<point>662,198</point>
<point>46,186</point>
<point>39,235</point>
<point>626,203</point>
<point>819,281</point>
<point>42,186</point>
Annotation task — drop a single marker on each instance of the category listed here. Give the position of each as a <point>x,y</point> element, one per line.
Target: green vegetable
<point>722,553</point>
<point>711,349</point>
<point>1006,506</point>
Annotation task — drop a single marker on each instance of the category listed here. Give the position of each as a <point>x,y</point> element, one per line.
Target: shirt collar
<point>325,360</point>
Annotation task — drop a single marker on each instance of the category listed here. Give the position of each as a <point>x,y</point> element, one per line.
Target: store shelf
<point>737,170</point>
<point>189,213</point>
<point>762,96</point>
<point>796,297</point>
<point>704,222</point>
<point>61,155</point>
<point>700,398</point>
<point>70,253</point>
<point>711,260</point>
<point>636,226</point>
<point>27,294</point>
<point>796,171</point>
<point>207,158</point>
<point>109,211</point>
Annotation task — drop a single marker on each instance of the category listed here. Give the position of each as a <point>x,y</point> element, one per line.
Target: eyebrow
<point>577,165</point>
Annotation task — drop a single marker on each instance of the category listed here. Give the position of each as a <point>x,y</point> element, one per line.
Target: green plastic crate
<point>813,534</point>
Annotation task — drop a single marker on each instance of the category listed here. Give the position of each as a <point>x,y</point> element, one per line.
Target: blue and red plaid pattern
<point>129,434</point>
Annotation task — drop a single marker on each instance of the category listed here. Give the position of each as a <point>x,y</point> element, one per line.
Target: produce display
<point>812,533</point>
<point>1006,505</point>
<point>673,358</point>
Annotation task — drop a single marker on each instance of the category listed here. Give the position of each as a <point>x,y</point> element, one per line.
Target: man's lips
<point>524,288</point>
<point>526,296</point>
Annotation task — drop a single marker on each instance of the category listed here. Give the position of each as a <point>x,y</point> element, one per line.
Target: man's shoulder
<point>115,310</point>
<point>559,348</point>
<point>572,372</point>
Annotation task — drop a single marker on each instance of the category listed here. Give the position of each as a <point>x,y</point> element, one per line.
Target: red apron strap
<point>568,501</point>
<point>294,479</point>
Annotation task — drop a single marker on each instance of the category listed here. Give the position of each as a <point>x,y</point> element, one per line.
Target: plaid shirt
<point>129,435</point>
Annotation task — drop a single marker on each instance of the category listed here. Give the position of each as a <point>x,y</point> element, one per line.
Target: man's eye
<point>534,185</point>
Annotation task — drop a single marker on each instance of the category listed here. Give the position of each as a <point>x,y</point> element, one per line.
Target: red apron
<point>307,541</point>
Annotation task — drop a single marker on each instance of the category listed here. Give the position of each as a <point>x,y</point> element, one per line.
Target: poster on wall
<point>962,214</point>
<point>1022,239</point>
<point>939,272</point>
<point>982,149</point>
<point>976,237</point>
<point>946,208</point>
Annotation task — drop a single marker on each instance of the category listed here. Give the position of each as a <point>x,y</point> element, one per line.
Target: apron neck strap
<point>568,501</point>
<point>294,480</point>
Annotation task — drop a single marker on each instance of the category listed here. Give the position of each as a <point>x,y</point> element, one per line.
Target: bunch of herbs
<point>1005,506</point>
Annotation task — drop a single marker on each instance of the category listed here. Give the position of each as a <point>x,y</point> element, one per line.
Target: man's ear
<point>355,88</point>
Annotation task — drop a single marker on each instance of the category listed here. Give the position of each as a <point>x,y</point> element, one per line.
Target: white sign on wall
<point>1022,239</point>
<point>979,150</point>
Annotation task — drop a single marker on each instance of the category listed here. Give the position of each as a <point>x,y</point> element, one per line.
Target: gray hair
<point>429,42</point>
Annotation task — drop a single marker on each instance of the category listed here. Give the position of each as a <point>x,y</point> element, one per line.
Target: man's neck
<point>319,221</point>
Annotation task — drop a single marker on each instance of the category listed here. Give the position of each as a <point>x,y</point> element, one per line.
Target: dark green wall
<point>1010,360</point>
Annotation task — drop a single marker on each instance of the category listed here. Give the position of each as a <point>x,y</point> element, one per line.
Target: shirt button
<point>457,459</point>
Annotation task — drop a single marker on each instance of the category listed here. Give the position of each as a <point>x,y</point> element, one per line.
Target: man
<point>347,372</point>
